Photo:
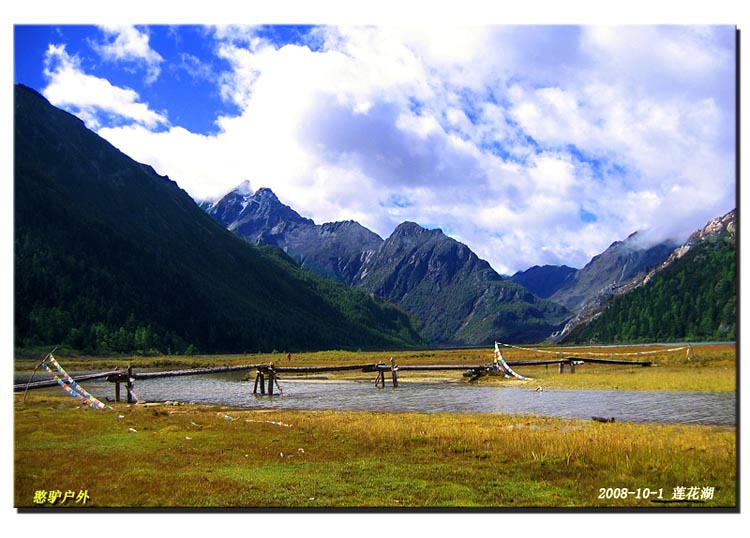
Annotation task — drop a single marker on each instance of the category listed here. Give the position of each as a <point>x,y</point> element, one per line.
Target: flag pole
<point>26,390</point>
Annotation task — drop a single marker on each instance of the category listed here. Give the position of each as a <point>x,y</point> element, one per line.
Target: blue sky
<point>531,144</point>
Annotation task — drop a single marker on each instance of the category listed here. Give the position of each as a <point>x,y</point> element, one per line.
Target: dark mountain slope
<point>545,280</point>
<point>109,256</point>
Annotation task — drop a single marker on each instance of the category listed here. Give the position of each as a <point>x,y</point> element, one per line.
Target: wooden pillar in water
<point>270,381</point>
<point>394,375</point>
<point>257,378</point>
<point>572,367</point>
<point>262,382</point>
<point>560,367</point>
<point>117,392</point>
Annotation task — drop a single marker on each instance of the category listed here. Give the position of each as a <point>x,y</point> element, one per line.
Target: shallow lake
<point>436,397</point>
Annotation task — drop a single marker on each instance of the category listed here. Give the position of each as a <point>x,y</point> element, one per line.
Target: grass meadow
<point>198,456</point>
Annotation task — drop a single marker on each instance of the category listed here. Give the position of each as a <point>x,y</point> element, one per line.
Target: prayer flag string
<point>70,386</point>
<point>593,353</point>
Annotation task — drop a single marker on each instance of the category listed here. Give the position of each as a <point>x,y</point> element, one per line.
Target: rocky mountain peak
<point>715,228</point>
<point>267,195</point>
<point>409,229</point>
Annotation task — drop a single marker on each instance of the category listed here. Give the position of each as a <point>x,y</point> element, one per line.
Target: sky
<point>532,144</point>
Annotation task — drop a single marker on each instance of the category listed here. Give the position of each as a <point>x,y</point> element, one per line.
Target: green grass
<point>191,456</point>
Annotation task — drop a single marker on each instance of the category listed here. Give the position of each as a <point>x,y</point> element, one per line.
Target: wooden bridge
<point>267,374</point>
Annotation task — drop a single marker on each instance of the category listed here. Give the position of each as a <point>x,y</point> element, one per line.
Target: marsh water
<point>436,397</point>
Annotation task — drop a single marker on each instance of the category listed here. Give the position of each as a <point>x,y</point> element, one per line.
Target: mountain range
<point>109,256</point>
<point>457,297</point>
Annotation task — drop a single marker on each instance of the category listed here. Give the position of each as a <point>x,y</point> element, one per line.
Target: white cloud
<point>651,58</point>
<point>552,174</point>
<point>129,45</point>
<point>533,145</point>
<point>195,68</point>
<point>91,97</point>
<point>176,152</point>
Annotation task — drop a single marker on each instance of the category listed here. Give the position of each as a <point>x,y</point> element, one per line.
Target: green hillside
<point>111,257</point>
<point>694,299</point>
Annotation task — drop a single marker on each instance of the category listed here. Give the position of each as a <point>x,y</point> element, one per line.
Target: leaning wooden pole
<point>276,381</point>
<point>26,390</point>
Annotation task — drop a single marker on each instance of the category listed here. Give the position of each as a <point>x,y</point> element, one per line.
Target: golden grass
<point>193,456</point>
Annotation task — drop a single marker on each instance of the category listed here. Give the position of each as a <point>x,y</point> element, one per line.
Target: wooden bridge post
<point>117,391</point>
<point>380,380</point>
<point>270,379</point>
<point>257,378</point>
<point>560,367</point>
<point>572,366</point>
<point>262,382</point>
<point>394,375</point>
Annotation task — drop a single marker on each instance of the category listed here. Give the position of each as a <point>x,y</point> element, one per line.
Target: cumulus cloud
<point>92,98</point>
<point>531,144</point>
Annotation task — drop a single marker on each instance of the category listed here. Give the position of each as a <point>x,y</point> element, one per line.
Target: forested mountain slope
<point>693,296</point>
<point>111,257</point>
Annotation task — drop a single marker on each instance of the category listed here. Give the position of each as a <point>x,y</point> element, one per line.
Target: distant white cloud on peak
<point>91,97</point>
<point>127,44</point>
